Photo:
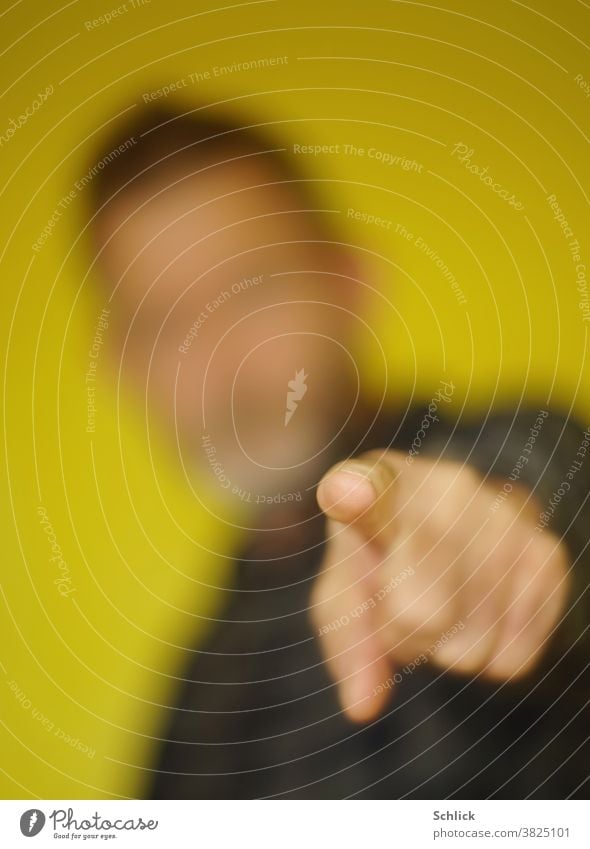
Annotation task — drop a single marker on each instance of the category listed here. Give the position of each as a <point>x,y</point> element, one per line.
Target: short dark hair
<point>156,138</point>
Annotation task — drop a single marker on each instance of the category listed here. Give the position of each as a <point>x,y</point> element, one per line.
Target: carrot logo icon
<point>32,822</point>
<point>297,389</point>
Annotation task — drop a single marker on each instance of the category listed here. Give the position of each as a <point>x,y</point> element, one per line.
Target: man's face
<point>232,318</point>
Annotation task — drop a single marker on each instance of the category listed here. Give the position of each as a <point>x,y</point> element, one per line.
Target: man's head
<point>233,304</point>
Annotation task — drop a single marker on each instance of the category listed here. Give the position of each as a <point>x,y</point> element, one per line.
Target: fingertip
<point>345,494</point>
<point>360,699</point>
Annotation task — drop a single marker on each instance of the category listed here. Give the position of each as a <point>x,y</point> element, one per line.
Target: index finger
<point>361,492</point>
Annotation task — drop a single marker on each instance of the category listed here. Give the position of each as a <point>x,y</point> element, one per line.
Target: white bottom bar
<point>295,824</point>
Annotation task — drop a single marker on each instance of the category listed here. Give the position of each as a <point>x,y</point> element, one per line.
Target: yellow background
<point>145,556</point>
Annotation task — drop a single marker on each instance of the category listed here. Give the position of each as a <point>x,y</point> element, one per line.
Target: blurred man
<point>423,633</point>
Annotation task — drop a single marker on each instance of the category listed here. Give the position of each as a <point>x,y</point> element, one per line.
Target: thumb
<point>361,492</point>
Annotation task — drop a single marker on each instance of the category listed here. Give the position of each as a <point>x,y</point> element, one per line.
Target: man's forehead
<point>236,205</point>
<point>228,181</point>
